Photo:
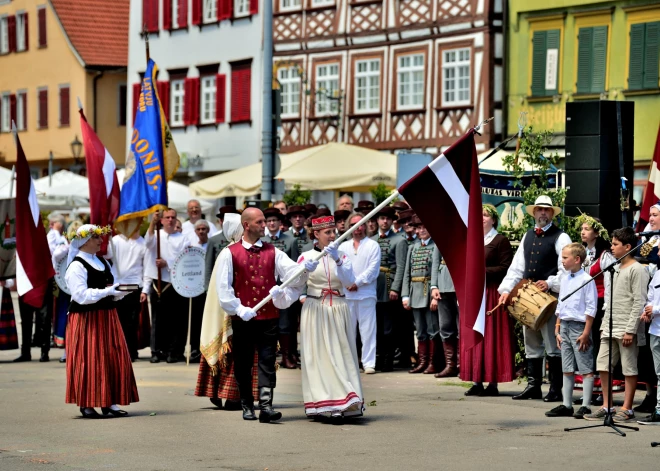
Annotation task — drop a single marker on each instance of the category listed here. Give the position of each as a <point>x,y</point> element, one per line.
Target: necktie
<point>274,237</point>
<point>382,236</point>
<point>254,248</point>
<point>296,234</point>
<point>538,231</point>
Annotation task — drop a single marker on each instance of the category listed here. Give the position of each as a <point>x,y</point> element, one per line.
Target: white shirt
<point>653,299</point>
<point>54,240</point>
<point>128,257</point>
<point>277,234</point>
<point>366,267</point>
<point>189,228</point>
<point>285,268</point>
<point>517,268</point>
<point>200,245</point>
<point>171,245</point>
<point>76,279</point>
<point>581,304</point>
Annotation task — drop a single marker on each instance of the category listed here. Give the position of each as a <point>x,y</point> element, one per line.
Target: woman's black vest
<point>95,279</point>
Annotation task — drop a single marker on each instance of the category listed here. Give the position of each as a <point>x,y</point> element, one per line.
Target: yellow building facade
<point>47,61</point>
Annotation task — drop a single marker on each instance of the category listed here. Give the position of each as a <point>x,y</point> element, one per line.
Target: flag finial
<point>80,107</point>
<point>477,128</point>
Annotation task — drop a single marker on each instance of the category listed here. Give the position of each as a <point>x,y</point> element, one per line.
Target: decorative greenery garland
<point>591,222</point>
<point>99,231</point>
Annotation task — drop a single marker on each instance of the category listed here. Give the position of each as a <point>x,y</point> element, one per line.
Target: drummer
<point>539,259</point>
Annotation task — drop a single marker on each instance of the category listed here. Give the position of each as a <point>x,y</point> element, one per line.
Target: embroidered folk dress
<point>329,361</point>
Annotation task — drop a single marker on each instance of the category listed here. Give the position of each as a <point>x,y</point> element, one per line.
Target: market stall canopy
<point>5,184</point>
<point>245,181</point>
<point>494,166</point>
<point>64,190</point>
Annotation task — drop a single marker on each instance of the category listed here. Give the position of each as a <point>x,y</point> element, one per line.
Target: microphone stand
<point>609,419</point>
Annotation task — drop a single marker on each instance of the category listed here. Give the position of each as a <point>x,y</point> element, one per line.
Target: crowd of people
<point>382,299</point>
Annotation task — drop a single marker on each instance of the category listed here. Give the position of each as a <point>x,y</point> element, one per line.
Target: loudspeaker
<point>598,152</point>
<point>589,118</point>
<point>592,187</point>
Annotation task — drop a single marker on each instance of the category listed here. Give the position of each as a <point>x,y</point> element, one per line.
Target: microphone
<point>647,233</point>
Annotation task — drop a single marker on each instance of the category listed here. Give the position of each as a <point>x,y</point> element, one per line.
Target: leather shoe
<point>23,358</point>
<point>232,405</point>
<point>90,415</point>
<point>115,413</point>
<point>172,359</point>
<point>553,396</point>
<point>154,359</point>
<point>490,391</point>
<point>62,360</point>
<point>475,390</point>
<point>248,412</point>
<point>44,357</point>
<point>267,414</point>
<point>216,402</point>
<point>530,392</point>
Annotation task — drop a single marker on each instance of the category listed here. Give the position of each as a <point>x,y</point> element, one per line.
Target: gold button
<point>255,299</point>
<point>250,256</point>
<point>251,267</point>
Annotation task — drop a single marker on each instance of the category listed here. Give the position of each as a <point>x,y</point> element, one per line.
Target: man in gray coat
<point>388,288</point>
<point>442,290</point>
<point>215,244</point>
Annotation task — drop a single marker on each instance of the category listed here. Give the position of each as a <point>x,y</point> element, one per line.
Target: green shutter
<point>599,55</point>
<point>538,62</point>
<point>552,42</point>
<point>651,51</point>
<point>585,39</point>
<point>636,64</point>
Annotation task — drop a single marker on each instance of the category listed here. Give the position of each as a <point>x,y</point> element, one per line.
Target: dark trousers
<point>404,332</point>
<point>288,321</point>
<point>248,336</point>
<point>196,321</point>
<point>448,313</point>
<point>128,311</point>
<point>42,319</point>
<point>169,322</point>
<point>385,314</point>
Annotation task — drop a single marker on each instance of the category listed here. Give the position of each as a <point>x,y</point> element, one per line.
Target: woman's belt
<point>422,279</point>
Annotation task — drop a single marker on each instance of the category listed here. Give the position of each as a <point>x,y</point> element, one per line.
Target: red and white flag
<point>33,265</point>
<point>102,177</point>
<point>446,195</point>
<point>652,191</point>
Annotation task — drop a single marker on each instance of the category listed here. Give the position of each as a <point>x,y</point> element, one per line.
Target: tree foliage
<point>297,197</point>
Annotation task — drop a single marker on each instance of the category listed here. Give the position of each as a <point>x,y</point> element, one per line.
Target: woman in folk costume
<point>493,359</point>
<point>215,379</point>
<point>99,372</point>
<point>329,362</point>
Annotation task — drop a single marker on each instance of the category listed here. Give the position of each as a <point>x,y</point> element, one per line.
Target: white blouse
<point>76,280</point>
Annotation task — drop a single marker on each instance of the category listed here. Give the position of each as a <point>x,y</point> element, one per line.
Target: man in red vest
<point>247,273</point>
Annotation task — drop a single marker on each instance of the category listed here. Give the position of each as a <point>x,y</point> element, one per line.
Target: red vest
<point>600,280</point>
<point>254,276</point>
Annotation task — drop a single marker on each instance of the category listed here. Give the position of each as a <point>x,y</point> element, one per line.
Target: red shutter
<point>167,14</point>
<point>12,109</point>
<point>197,12</point>
<point>64,106</point>
<point>191,107</point>
<point>43,38</point>
<point>220,98</point>
<point>150,15</point>
<point>164,96</point>
<point>25,30</point>
<point>24,100</point>
<point>225,9</point>
<point>254,7</point>
<point>43,109</point>
<point>183,13</point>
<point>11,29</point>
<point>137,89</point>
<point>240,93</point>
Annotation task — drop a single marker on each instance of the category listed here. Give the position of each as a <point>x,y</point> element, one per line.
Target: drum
<point>531,306</point>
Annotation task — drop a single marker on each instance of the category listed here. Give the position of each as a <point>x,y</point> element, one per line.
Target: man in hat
<point>539,259</point>
<point>365,206</point>
<point>408,233</point>
<point>345,202</point>
<point>393,251</point>
<point>399,206</point>
<point>285,242</point>
<point>297,215</point>
<point>194,210</point>
<point>310,209</point>
<point>341,215</point>
<point>216,243</point>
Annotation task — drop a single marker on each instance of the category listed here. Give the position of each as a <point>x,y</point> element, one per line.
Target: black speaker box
<point>593,187</point>
<point>599,152</point>
<point>588,118</point>
<point>609,216</point>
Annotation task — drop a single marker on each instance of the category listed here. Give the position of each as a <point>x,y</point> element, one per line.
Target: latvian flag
<point>446,195</point>
<point>102,177</point>
<point>652,191</point>
<point>33,266</point>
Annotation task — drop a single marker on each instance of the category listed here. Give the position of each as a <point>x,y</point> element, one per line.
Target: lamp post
<point>76,149</point>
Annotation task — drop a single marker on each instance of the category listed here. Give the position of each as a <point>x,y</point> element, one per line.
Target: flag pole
<point>343,237</point>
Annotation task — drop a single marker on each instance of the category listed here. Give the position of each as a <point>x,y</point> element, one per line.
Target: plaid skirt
<point>8,336</point>
<point>223,385</point>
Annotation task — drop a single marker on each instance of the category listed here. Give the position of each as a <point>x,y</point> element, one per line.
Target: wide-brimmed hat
<point>229,209</point>
<point>324,222</point>
<point>273,212</point>
<point>389,212</point>
<point>400,205</point>
<point>416,221</point>
<point>405,216</point>
<point>295,210</point>
<point>322,212</point>
<point>365,206</point>
<point>341,215</point>
<point>542,201</point>
<point>310,209</point>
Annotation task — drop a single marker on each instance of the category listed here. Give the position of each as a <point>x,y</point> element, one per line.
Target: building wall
<point>527,16</point>
<point>108,127</point>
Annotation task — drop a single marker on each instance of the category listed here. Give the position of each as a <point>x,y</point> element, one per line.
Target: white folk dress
<point>330,372</point>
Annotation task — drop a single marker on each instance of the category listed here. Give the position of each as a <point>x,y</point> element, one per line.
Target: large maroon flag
<point>652,191</point>
<point>446,195</point>
<point>33,266</point>
<point>102,177</point>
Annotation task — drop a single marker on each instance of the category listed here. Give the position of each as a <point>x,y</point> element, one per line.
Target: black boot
<point>555,376</point>
<point>25,356</point>
<point>248,409</point>
<point>267,414</point>
<point>533,389</point>
<point>388,355</point>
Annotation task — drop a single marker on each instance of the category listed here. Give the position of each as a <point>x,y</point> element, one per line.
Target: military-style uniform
<point>393,249</point>
<point>447,314</point>
<point>417,290</point>
<point>215,245</point>
<point>301,239</point>
<point>283,241</point>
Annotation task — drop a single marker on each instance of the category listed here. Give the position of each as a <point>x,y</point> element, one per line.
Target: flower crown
<point>490,209</point>
<point>591,222</point>
<point>99,231</point>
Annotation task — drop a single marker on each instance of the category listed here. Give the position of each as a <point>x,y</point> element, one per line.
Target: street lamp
<point>76,149</point>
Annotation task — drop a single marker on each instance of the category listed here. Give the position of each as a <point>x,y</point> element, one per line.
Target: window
<point>208,100</point>
<point>5,125</point>
<point>286,5</point>
<point>327,85</point>
<point>42,110</point>
<point>4,35</point>
<point>592,59</point>
<point>21,110</point>
<point>545,62</point>
<point>122,105</point>
<point>179,13</point>
<point>318,3</point>
<point>367,85</point>
<point>644,55</point>
<point>411,82</point>
<point>210,13</point>
<point>456,77</point>
<point>241,8</point>
<point>241,79</point>
<point>64,106</point>
<point>42,37</point>
<point>289,79</point>
<point>21,32</point>
<point>177,94</point>
<point>175,13</point>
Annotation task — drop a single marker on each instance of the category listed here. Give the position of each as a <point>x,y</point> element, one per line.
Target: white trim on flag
<point>108,172</point>
<point>444,172</point>
<point>480,323</point>
<point>23,283</point>
<point>34,205</point>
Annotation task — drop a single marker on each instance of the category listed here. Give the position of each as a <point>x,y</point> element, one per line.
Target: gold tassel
<point>214,370</point>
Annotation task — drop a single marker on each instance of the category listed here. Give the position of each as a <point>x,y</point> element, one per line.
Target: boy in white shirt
<point>575,316</point>
<point>652,314</point>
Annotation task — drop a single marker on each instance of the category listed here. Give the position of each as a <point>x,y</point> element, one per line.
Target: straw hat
<point>542,201</point>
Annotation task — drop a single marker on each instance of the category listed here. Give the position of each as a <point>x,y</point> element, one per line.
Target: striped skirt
<point>8,337</point>
<point>99,372</point>
<point>223,385</point>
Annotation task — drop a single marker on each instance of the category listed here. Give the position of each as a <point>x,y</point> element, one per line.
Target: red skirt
<point>8,336</point>
<point>493,359</point>
<point>99,372</point>
<point>223,385</point>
